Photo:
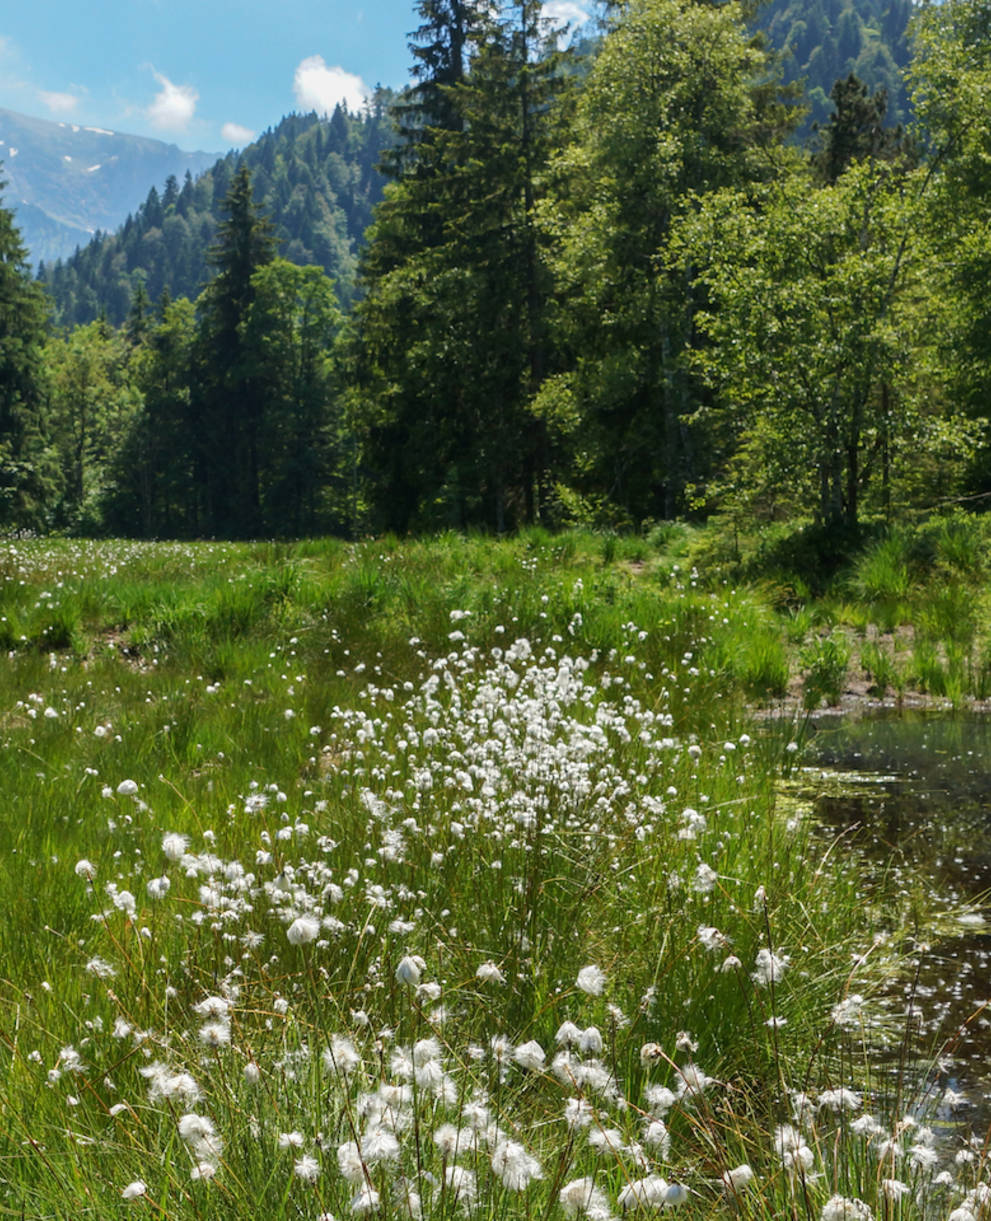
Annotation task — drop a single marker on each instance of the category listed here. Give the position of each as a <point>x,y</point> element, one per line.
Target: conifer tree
<point>450,333</point>
<point>228,394</point>
<point>28,473</point>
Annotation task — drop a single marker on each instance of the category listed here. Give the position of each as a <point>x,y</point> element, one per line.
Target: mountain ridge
<point>67,181</point>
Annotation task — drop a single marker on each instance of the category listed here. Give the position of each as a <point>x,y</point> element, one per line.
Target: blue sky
<point>203,74</point>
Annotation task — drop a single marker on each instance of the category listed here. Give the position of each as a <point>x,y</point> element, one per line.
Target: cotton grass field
<point>443,879</point>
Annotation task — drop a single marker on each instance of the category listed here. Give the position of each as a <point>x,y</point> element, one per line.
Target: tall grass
<point>443,878</point>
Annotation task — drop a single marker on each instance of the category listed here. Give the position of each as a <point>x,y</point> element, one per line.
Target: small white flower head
<point>218,1007</point>
<point>684,1042</point>
<point>675,1194</point>
<point>134,1190</point>
<point>568,1035</point>
<point>252,1073</point>
<point>839,1100</point>
<point>158,888</point>
<point>127,788</point>
<point>341,1057</point>
<point>303,930</point>
<point>704,879</point>
<point>648,1192</point>
<point>692,1081</point>
<point>365,1202</point>
<point>848,1013</point>
<point>578,1113</point>
<point>215,1035</point>
<point>735,1180</point>
<point>460,1184</point>
<point>513,1165</point>
<point>488,972</point>
<point>307,1168</point>
<point>581,1196</point>
<point>410,969</point>
<point>291,1140</point>
<point>530,1056</point>
<point>592,980</point>
<point>650,1053</point>
<point>85,869</point>
<point>590,1042</point>
<point>657,1137</point>
<point>174,845</point>
<point>770,968</point>
<point>711,938</point>
<point>842,1208</point>
<point>350,1163</point>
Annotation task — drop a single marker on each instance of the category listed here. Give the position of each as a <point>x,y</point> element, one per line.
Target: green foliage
<point>825,661</point>
<point>318,179</point>
<point>827,40</point>
<point>28,475</point>
<point>813,325</point>
<point>450,337</point>
<point>669,111</point>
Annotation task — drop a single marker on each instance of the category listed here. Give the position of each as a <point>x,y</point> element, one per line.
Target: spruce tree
<point>28,473</point>
<point>228,394</point>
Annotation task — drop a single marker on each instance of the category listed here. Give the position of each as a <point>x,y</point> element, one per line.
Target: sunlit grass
<point>340,849</point>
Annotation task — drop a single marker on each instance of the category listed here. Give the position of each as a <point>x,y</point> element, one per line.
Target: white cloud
<point>320,88</point>
<point>236,135</point>
<point>174,105</point>
<point>59,103</point>
<point>565,12</point>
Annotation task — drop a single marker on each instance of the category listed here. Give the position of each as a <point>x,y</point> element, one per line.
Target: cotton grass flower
<point>770,968</point>
<point>174,845</point>
<point>410,969</point>
<point>582,1196</point>
<point>303,930</point>
<point>306,1168</point>
<point>530,1056</point>
<point>842,1208</point>
<point>134,1190</point>
<point>649,1192</point>
<point>514,1166</point>
<point>591,980</point>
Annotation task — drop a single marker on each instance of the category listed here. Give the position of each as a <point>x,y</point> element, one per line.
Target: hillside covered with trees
<point>317,178</point>
<point>614,294</point>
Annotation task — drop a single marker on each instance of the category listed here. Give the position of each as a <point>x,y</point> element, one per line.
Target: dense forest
<point>318,179</point>
<point>614,292</point>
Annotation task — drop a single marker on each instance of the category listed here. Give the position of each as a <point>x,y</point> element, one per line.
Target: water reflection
<point>914,790</point>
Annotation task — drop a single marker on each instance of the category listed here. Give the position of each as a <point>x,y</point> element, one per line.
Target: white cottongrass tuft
<point>174,845</point>
<point>410,970</point>
<point>770,968</point>
<point>303,930</point>
<point>134,1190</point>
<point>513,1165</point>
<point>842,1208</point>
<point>591,979</point>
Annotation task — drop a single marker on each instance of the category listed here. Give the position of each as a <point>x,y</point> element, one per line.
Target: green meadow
<point>458,878</point>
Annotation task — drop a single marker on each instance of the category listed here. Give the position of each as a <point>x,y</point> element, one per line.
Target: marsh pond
<point>913,791</point>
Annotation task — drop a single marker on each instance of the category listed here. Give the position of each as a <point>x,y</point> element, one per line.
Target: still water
<point>914,790</point>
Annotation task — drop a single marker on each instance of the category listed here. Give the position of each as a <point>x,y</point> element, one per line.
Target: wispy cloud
<point>58,103</point>
<point>236,135</point>
<point>174,105</point>
<point>320,88</point>
<point>565,12</point>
